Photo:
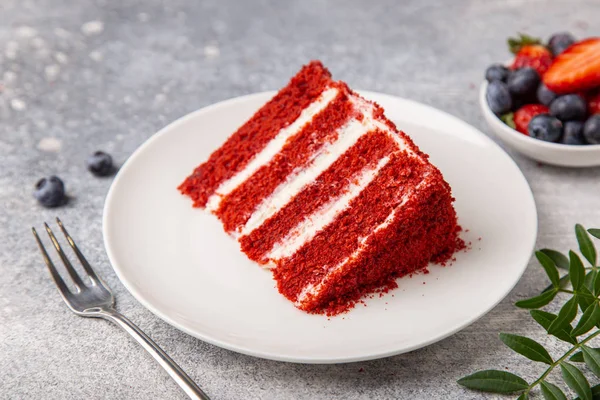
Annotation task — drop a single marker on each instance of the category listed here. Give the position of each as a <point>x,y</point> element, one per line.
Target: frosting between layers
<point>315,222</point>
<point>312,289</point>
<point>273,147</point>
<point>348,135</point>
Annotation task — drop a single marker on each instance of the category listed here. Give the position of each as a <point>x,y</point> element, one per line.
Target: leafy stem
<point>561,359</point>
<point>584,293</point>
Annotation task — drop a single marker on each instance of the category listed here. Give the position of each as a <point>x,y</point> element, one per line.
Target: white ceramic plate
<point>178,262</point>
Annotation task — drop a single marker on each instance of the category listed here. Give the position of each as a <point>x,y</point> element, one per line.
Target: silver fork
<point>95,300</point>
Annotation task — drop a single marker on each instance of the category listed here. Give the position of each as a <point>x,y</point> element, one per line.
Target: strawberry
<point>575,69</point>
<point>524,114</point>
<point>530,53</point>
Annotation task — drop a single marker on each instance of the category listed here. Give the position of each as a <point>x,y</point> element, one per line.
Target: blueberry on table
<point>498,97</point>
<point>50,192</point>
<point>591,129</point>
<point>523,82</point>
<point>570,107</point>
<point>545,127</point>
<point>573,133</point>
<point>100,164</point>
<point>559,42</point>
<point>496,72</point>
<point>545,95</point>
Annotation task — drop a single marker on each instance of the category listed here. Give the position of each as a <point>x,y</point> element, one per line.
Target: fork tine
<point>62,287</point>
<point>69,267</point>
<point>88,268</point>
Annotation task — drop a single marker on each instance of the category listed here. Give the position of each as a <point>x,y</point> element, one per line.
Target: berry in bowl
<point>545,103</point>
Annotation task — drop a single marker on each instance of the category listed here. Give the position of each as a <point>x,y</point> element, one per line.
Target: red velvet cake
<point>321,188</point>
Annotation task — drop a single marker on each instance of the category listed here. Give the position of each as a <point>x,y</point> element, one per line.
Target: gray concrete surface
<point>77,76</point>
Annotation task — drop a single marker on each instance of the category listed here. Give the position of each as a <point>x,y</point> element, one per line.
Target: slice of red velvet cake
<point>322,189</point>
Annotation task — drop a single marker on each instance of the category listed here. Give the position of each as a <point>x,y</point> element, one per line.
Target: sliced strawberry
<point>535,56</point>
<point>575,69</point>
<point>524,114</point>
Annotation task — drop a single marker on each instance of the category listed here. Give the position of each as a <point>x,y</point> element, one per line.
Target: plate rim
<point>272,355</point>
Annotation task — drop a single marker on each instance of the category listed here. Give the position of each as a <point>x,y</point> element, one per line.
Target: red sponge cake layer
<point>331,184</point>
<point>236,208</point>
<point>322,189</point>
<point>253,136</point>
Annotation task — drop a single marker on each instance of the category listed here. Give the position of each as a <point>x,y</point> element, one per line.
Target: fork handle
<point>179,376</point>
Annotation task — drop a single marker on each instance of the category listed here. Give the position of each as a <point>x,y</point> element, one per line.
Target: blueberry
<point>498,97</point>
<point>591,129</point>
<point>570,107</point>
<point>100,164</point>
<point>559,42</point>
<point>523,82</point>
<point>496,72</point>
<point>573,133</point>
<point>50,192</point>
<point>545,127</point>
<point>545,95</point>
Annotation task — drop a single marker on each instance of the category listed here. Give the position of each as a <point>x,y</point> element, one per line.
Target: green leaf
<point>565,316</point>
<point>577,357</point>
<point>588,320</point>
<point>576,380</point>
<point>596,285</point>
<point>545,320</point>
<point>560,260</point>
<point>523,396</point>
<point>590,277</point>
<point>509,119</point>
<point>562,283</point>
<point>594,232</point>
<point>592,359</point>
<point>549,267</point>
<point>526,347</point>
<point>552,392</point>
<point>595,393</point>
<point>515,44</point>
<point>576,270</point>
<point>538,301</point>
<point>585,244</point>
<point>494,381</point>
<point>584,298</point>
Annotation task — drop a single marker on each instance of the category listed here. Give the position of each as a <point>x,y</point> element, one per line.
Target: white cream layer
<point>314,223</point>
<point>312,289</point>
<point>272,148</point>
<point>348,135</point>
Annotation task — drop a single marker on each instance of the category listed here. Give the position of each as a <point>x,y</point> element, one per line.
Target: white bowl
<point>546,152</point>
